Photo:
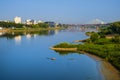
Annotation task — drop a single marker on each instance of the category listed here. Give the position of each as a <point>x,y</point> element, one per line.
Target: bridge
<point>93,24</point>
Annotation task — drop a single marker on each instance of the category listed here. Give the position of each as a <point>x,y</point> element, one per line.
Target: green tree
<point>116,39</point>
<point>115,27</point>
<point>43,25</point>
<point>94,37</point>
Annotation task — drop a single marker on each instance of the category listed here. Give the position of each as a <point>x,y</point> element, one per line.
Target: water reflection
<point>17,36</point>
<point>29,34</point>
<point>1,33</point>
<point>12,35</point>
<point>17,39</point>
<point>64,53</point>
<point>53,32</point>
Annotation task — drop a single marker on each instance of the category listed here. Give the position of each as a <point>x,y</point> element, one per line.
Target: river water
<point>27,56</point>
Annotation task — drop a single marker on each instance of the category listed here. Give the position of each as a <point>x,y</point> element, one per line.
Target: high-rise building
<point>17,20</point>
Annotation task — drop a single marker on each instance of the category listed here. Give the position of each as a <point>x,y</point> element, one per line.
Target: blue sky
<point>63,11</point>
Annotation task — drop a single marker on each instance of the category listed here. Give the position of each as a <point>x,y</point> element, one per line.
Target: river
<point>27,56</point>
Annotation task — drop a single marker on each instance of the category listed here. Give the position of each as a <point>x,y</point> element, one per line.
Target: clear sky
<point>63,11</point>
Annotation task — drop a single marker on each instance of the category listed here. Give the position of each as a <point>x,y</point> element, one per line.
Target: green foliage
<point>102,33</point>
<point>103,41</point>
<point>116,39</point>
<point>105,31</point>
<point>110,52</point>
<point>13,24</point>
<point>115,27</point>
<point>88,40</point>
<point>65,45</point>
<point>10,25</point>
<point>89,33</point>
<point>43,25</point>
<point>94,37</point>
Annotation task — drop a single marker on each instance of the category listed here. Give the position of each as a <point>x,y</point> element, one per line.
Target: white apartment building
<point>17,20</point>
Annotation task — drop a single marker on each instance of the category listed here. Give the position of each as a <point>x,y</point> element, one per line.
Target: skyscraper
<point>17,20</point>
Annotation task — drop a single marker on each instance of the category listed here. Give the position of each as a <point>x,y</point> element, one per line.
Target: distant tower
<point>17,20</point>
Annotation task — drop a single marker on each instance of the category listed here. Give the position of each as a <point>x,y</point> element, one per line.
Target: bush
<point>64,45</point>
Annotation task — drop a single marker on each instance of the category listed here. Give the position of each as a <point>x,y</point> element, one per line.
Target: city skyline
<point>62,11</point>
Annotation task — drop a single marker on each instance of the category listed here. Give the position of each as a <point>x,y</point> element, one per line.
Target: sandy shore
<point>108,71</point>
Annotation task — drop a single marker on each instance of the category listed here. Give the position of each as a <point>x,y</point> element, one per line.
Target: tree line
<point>13,24</point>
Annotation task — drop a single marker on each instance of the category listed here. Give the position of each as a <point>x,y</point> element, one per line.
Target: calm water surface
<point>27,57</point>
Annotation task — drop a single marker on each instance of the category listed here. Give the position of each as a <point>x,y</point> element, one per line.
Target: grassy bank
<point>109,52</point>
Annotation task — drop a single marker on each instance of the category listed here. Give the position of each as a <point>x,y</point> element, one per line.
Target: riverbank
<point>28,29</point>
<point>108,71</point>
<point>109,52</point>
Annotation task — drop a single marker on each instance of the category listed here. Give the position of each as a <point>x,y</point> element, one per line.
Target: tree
<point>115,27</point>
<point>43,25</point>
<point>116,39</point>
<point>94,37</point>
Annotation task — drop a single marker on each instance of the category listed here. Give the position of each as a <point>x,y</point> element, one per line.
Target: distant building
<point>51,24</point>
<point>40,21</point>
<point>17,20</point>
<point>30,22</point>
